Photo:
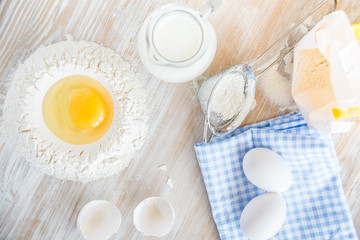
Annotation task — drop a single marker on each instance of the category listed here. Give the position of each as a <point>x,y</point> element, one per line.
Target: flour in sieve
<point>24,126</point>
<point>228,99</point>
<point>228,96</point>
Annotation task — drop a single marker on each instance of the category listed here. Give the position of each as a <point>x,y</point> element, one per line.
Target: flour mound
<point>23,125</point>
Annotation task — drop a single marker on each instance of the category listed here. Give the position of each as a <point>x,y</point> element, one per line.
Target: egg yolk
<point>78,109</point>
<point>87,109</point>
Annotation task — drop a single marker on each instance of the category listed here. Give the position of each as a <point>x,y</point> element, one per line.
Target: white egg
<point>267,170</point>
<point>263,216</point>
<point>99,219</point>
<point>154,217</point>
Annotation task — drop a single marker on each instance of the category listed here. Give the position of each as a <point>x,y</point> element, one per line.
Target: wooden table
<point>36,206</point>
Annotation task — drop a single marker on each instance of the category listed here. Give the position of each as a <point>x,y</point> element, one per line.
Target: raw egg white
<point>267,170</point>
<point>263,216</point>
<point>78,109</point>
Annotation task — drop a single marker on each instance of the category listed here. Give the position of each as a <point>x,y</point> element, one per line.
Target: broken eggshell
<point>99,219</point>
<point>154,216</point>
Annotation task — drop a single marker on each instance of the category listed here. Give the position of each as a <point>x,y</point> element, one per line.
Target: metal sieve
<point>250,72</point>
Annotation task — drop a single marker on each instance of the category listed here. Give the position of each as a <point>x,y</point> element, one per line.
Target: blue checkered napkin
<point>316,205</point>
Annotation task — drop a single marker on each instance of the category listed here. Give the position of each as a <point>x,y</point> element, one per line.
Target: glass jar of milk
<point>177,43</point>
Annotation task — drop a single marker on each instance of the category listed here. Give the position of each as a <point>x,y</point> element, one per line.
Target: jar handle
<point>209,7</point>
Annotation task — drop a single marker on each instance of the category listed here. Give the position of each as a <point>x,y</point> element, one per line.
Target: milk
<point>177,36</point>
<point>176,43</point>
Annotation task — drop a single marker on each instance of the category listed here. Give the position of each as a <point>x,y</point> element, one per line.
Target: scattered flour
<point>23,125</point>
<point>276,82</point>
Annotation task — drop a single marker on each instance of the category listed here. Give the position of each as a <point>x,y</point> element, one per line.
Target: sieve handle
<point>207,137</point>
<point>260,64</point>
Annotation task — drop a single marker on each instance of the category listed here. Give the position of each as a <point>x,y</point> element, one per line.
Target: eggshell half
<point>99,220</point>
<point>263,216</point>
<point>267,170</point>
<point>154,217</point>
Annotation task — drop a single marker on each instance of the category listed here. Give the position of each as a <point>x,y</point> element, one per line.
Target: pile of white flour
<point>23,124</point>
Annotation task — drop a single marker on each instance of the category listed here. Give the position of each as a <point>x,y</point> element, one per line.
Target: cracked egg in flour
<point>76,111</point>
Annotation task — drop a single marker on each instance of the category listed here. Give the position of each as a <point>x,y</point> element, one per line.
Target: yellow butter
<point>346,113</point>
<point>356,29</point>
